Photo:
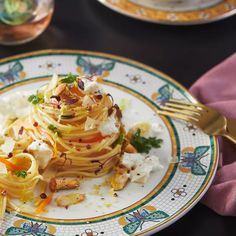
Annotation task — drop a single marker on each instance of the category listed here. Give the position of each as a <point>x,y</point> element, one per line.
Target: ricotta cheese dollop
<point>42,152</point>
<point>140,166</point>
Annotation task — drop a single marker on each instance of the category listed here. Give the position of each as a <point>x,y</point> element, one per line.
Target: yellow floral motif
<point>22,75</point>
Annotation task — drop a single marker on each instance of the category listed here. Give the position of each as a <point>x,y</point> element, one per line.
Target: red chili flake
<point>35,124</point>
<point>94,161</point>
<point>21,130</point>
<point>71,101</point>
<point>88,146</point>
<point>80,140</point>
<point>18,145</point>
<point>25,151</point>
<point>118,111</point>
<point>81,84</point>
<point>43,195</point>
<point>99,96</point>
<point>97,171</point>
<point>110,110</point>
<point>10,154</point>
<point>78,149</point>
<point>63,155</point>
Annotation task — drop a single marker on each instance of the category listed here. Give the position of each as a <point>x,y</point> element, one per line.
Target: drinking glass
<point>23,20</point>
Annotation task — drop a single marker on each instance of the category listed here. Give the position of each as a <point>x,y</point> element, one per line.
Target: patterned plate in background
<point>174,12</point>
<point>189,157</point>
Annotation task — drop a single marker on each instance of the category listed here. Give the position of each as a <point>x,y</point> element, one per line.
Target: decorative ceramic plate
<point>189,157</point>
<point>174,12</point>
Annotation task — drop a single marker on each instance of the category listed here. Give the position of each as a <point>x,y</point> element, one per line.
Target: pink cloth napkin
<point>217,88</point>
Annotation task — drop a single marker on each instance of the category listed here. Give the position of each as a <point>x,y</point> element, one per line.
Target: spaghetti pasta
<point>62,119</point>
<point>74,124</point>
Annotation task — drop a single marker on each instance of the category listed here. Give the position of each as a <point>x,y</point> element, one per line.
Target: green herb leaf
<point>144,145</point>
<point>55,130</point>
<point>36,99</point>
<point>120,140</point>
<point>52,128</point>
<point>21,173</point>
<point>70,78</point>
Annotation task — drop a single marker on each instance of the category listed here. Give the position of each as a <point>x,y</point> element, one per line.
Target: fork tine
<point>183,107</point>
<point>187,103</point>
<point>181,111</point>
<point>178,116</point>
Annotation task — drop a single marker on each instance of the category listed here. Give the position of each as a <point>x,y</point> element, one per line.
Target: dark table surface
<point>184,53</point>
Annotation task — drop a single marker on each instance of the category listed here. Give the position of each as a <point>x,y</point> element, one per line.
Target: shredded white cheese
<point>109,126</point>
<point>90,124</point>
<point>8,145</point>
<point>155,130</point>
<point>87,101</point>
<point>93,88</point>
<point>15,104</point>
<point>42,152</point>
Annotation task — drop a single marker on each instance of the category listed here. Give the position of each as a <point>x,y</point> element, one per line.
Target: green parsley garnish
<point>120,140</point>
<point>54,129</point>
<point>70,78</point>
<point>21,173</point>
<point>36,99</point>
<point>144,145</point>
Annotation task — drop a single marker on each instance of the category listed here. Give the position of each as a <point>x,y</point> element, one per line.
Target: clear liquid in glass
<point>23,20</point>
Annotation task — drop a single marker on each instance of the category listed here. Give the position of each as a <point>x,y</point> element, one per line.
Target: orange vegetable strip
<point>10,165</point>
<point>42,206</point>
<point>77,91</point>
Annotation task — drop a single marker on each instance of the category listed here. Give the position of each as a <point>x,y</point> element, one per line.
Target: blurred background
<point>183,52</point>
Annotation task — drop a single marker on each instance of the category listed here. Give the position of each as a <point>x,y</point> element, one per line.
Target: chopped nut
<point>130,149</point>
<point>60,89</point>
<point>63,184</point>
<point>69,199</point>
<point>120,178</point>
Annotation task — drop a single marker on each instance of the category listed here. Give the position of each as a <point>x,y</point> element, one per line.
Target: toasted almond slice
<point>69,199</point>
<point>120,178</point>
<point>57,184</point>
<point>130,149</point>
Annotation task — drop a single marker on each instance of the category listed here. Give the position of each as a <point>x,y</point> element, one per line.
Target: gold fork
<point>207,119</point>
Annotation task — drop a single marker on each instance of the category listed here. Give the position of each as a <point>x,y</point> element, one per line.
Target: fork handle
<point>230,131</point>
